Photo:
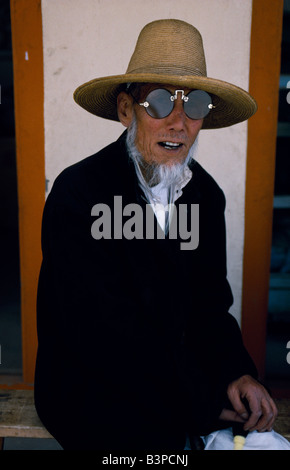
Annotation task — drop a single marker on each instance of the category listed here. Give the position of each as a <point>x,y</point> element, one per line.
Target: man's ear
<point>125,108</point>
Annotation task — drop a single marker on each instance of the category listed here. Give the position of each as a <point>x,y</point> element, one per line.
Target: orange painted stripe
<point>29,122</point>
<point>264,86</point>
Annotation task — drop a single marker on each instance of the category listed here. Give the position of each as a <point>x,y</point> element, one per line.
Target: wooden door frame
<point>27,49</point>
<point>265,57</point>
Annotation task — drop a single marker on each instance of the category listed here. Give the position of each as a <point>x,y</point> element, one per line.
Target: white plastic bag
<point>223,440</point>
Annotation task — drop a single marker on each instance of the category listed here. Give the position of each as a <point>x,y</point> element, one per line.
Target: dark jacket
<point>136,345</point>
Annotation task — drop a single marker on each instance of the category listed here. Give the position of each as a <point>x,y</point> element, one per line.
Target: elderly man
<point>137,348</point>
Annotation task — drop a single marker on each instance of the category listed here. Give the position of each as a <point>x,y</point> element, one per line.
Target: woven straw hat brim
<point>232,104</point>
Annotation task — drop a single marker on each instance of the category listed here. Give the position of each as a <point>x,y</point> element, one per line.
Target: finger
<point>230,415</point>
<point>256,413</point>
<point>272,415</point>
<point>266,416</point>
<point>275,414</point>
<point>238,405</point>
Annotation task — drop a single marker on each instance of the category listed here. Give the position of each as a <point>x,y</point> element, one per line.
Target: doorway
<point>10,315</point>
<point>277,371</point>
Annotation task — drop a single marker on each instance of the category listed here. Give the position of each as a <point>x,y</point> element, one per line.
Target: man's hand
<point>263,411</point>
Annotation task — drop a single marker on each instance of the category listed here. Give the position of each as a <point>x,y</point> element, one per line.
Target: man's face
<point>152,134</point>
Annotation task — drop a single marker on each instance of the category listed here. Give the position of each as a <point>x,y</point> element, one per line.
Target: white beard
<point>149,175</point>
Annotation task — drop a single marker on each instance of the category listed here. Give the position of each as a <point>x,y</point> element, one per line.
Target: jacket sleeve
<point>74,293</point>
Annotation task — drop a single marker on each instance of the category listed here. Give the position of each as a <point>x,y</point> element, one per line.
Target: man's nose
<point>177,117</point>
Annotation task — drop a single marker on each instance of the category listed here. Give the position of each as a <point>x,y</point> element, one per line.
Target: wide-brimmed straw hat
<point>169,52</point>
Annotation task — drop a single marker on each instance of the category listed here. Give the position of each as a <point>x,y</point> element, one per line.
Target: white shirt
<point>161,204</point>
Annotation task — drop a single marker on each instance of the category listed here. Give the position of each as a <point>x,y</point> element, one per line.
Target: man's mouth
<point>170,145</point>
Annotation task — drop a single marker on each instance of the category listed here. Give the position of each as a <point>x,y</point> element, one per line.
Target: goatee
<point>151,174</point>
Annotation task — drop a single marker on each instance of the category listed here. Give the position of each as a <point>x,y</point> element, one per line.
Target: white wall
<point>86,39</point>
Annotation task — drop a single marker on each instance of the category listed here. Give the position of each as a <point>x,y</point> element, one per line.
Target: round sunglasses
<point>159,103</point>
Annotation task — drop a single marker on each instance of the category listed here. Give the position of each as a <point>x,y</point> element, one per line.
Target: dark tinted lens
<point>197,105</point>
<point>160,104</point>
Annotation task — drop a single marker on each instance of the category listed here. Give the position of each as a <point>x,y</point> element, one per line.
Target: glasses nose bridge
<point>178,103</point>
<point>175,96</point>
